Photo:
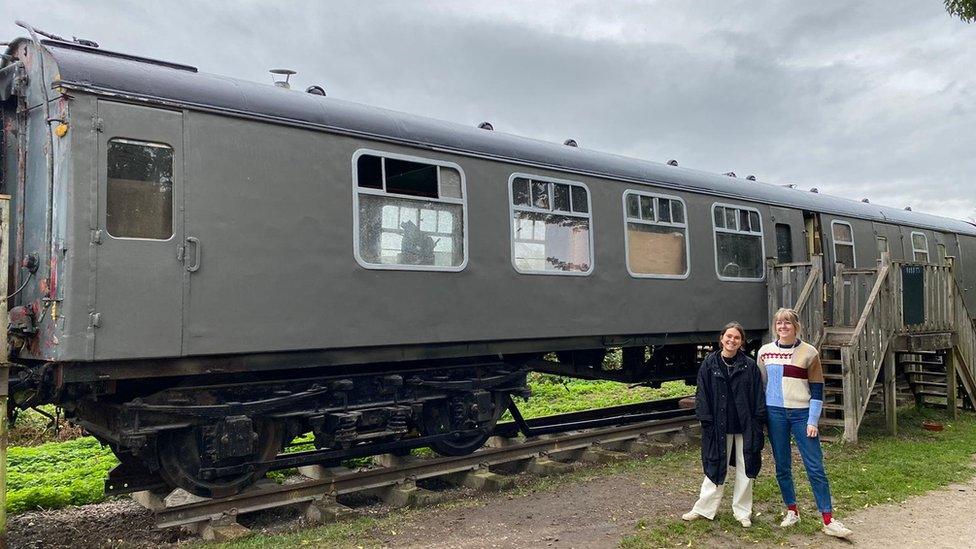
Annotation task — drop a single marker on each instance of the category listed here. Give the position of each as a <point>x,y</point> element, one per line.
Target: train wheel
<point>182,454</point>
<point>437,419</point>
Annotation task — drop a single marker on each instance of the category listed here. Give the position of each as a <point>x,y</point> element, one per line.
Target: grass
<point>880,469</point>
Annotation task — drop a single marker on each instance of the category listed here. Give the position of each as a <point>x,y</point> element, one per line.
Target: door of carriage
<point>139,232</point>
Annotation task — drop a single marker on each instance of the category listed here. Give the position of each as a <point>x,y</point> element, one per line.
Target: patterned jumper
<point>793,376</point>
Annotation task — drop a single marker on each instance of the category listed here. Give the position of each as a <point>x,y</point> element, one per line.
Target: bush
<point>57,474</point>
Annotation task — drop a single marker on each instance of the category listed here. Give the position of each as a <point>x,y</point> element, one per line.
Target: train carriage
<point>208,267</point>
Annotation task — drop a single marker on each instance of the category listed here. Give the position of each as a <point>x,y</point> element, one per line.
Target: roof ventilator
<point>814,190</point>
<point>315,90</point>
<point>571,143</point>
<point>486,126</point>
<point>908,208</point>
<point>750,177</point>
<point>730,174</point>
<point>277,74</point>
<point>672,162</point>
<point>865,200</point>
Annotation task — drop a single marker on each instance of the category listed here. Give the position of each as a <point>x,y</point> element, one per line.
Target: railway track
<point>594,435</point>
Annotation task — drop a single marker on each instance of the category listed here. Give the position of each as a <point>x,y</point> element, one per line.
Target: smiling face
<point>731,341</point>
<point>785,329</point>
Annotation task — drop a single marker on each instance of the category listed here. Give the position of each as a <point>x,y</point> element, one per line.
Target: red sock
<point>792,507</point>
<point>827,517</point>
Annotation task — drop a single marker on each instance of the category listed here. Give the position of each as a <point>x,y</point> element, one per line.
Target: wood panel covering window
<point>656,235</point>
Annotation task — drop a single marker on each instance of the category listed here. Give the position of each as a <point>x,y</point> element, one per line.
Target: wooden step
<point>924,373</point>
<point>920,363</point>
<point>833,376</point>
<point>832,422</point>
<point>833,390</point>
<point>931,383</point>
<point>924,393</point>
<point>831,406</point>
<point>829,361</point>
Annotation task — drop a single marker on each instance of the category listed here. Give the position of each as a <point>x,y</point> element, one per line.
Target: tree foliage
<point>963,9</point>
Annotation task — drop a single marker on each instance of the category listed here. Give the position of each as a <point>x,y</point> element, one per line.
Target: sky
<point>872,99</point>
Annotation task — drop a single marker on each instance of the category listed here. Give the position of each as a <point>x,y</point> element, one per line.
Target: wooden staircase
<point>868,342</point>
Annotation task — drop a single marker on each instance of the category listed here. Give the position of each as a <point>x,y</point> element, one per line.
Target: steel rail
<point>259,498</point>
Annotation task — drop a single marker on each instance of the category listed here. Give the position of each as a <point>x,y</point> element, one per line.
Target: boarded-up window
<point>738,242</point>
<point>657,235</point>
<point>843,237</point>
<point>139,190</point>
<point>411,214</point>
<point>550,226</point>
<point>784,243</point>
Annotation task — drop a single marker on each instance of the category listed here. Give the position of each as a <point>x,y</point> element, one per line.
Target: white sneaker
<point>746,523</point>
<point>790,519</point>
<point>691,515</point>
<point>837,529</point>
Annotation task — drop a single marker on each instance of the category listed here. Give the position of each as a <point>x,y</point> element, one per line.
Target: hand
<point>812,431</point>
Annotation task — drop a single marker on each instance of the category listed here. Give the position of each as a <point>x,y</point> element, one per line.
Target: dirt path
<point>937,520</point>
<point>593,513</point>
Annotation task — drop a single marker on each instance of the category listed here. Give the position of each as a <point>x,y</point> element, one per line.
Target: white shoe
<point>746,523</point>
<point>837,529</point>
<point>691,515</point>
<point>790,519</point>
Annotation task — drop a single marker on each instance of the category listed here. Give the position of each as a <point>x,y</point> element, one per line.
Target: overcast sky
<point>861,99</point>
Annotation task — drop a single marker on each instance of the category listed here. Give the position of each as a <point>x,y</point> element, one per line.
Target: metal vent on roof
<point>315,90</point>
<point>286,73</point>
<point>751,177</point>
<point>908,208</point>
<point>814,190</point>
<point>730,174</point>
<point>865,200</point>
<point>486,126</point>
<point>571,143</point>
<point>790,185</point>
<point>672,162</point>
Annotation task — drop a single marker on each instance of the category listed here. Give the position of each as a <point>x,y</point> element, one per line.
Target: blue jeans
<point>782,423</point>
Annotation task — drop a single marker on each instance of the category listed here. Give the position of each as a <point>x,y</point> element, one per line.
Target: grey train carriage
<point>209,267</point>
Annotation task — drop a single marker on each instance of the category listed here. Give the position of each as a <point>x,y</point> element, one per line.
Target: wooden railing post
<point>890,394</point>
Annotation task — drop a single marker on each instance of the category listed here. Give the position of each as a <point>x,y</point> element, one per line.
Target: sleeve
<point>759,393</point>
<point>761,364</point>
<point>816,380</point>
<point>703,408</point>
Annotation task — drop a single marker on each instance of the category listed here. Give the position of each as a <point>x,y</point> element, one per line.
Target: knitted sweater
<point>794,377</point>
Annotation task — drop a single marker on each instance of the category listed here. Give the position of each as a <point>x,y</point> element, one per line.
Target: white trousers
<point>711,494</point>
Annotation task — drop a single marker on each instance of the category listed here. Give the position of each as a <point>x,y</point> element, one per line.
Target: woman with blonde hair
<point>729,403</point>
<point>794,400</point>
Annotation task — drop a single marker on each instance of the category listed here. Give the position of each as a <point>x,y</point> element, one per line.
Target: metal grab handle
<point>196,253</point>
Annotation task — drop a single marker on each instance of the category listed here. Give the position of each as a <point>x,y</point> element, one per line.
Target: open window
<point>656,235</point>
<point>920,247</point>
<point>550,226</point>
<point>843,236</point>
<point>410,213</point>
<point>738,243</point>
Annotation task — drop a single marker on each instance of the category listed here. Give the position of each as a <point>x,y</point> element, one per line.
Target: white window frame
<point>716,230</point>
<point>834,241</point>
<point>628,220</point>
<point>357,190</point>
<point>512,208</point>
<point>916,251</point>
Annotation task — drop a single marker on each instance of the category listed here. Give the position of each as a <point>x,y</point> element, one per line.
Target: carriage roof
<point>104,72</point>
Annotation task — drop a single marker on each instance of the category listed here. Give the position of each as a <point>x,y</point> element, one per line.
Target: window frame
<point>916,251</point>
<point>173,206</point>
<point>834,242</point>
<point>716,230</point>
<point>357,190</point>
<point>512,208</point>
<point>684,226</point>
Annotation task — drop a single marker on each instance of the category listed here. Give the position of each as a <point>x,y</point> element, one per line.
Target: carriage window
<point>657,235</point>
<point>550,226</point>
<point>411,214</point>
<point>943,255</point>
<point>920,247</point>
<point>139,190</point>
<point>843,243</point>
<point>738,242</point>
<point>882,246</point>
<point>784,243</point>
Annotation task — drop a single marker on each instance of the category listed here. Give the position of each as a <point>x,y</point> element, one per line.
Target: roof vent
<point>790,185</point>
<point>730,174</point>
<point>571,143</point>
<point>277,74</point>
<point>865,200</point>
<point>315,90</point>
<point>486,126</point>
<point>672,162</point>
<point>908,208</point>
<point>751,177</point>
<point>814,190</point>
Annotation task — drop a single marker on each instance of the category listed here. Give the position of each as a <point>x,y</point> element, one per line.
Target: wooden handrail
<point>869,305</point>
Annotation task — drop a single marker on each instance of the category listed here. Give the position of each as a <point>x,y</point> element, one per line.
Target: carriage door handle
<point>196,253</point>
